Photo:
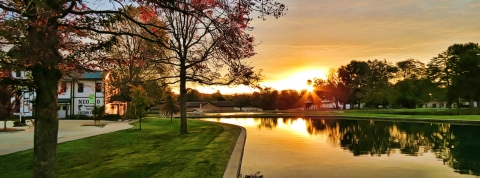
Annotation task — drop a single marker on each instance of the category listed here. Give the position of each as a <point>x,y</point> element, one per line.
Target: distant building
<point>247,109</point>
<point>444,104</point>
<point>327,104</point>
<point>214,106</point>
<point>75,96</point>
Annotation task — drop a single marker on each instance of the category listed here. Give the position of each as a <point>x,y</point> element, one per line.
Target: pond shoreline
<point>338,115</point>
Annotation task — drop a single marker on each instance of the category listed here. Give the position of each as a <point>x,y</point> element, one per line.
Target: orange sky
<point>317,35</point>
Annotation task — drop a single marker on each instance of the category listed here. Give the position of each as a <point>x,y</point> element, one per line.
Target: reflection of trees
<point>457,146</point>
<point>363,137</point>
<point>464,147</point>
<point>268,123</point>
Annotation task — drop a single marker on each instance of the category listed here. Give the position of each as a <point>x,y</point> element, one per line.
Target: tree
<point>465,81</point>
<point>265,99</point>
<point>455,70</point>
<point>98,113</point>
<point>217,96</point>
<point>241,100</point>
<point>171,107</point>
<point>411,69</point>
<point>408,95</point>
<point>354,77</point>
<point>333,88</point>
<point>193,95</point>
<point>140,102</point>
<point>207,38</point>
<point>6,106</point>
<point>50,38</point>
<point>287,99</point>
<point>379,79</point>
<point>136,61</point>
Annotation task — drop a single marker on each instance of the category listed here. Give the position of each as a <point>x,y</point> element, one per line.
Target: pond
<point>304,147</point>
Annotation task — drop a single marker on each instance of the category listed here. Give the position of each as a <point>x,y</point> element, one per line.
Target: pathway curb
<point>235,163</point>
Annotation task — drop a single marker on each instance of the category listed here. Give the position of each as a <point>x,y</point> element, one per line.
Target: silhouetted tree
<point>170,107</point>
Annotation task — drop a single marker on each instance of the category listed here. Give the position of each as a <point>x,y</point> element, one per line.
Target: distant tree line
<point>266,98</point>
<point>450,77</point>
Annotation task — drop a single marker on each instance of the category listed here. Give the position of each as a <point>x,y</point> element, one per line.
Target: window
<point>18,73</point>
<point>98,87</point>
<point>63,87</point>
<point>80,88</point>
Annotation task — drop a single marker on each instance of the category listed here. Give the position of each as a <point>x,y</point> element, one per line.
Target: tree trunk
<point>171,117</point>
<point>183,98</point>
<point>140,123</point>
<point>46,78</point>
<point>5,124</point>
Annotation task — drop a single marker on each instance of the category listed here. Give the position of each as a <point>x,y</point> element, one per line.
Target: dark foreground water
<point>299,147</point>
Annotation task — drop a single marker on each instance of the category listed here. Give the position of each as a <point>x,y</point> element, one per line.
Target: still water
<point>303,147</point>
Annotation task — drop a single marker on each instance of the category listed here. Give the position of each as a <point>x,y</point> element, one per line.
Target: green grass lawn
<point>158,150</point>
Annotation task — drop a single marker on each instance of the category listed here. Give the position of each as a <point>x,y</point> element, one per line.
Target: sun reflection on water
<point>302,147</point>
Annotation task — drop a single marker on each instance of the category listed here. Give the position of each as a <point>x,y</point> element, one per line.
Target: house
<point>214,106</point>
<point>113,104</point>
<point>248,109</point>
<point>76,96</point>
<point>443,104</point>
<point>194,106</point>
<point>327,104</point>
<point>436,104</point>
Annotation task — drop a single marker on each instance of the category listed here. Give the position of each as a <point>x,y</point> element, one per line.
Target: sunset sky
<point>316,35</point>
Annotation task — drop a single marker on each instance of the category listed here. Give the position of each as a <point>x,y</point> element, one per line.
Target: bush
<point>112,117</point>
<point>98,112</point>
<point>18,124</point>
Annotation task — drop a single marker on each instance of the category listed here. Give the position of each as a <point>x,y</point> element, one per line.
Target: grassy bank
<point>158,150</point>
<point>423,113</point>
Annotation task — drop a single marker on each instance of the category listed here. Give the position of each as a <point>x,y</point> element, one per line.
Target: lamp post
<point>430,94</point>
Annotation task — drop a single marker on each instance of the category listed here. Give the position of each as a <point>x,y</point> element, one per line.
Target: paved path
<point>11,142</point>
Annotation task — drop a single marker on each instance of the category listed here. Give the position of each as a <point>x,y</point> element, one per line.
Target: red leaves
<point>210,3</point>
<point>146,14</point>
<point>204,4</point>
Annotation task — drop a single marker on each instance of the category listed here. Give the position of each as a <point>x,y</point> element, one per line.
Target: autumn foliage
<point>51,39</point>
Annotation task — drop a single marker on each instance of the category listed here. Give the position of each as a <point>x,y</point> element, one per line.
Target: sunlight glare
<point>297,81</point>
<point>309,88</point>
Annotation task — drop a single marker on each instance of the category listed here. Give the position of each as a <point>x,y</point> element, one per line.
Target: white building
<point>76,96</point>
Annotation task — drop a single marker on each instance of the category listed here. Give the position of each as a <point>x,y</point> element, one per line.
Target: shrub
<point>17,124</point>
<point>98,112</point>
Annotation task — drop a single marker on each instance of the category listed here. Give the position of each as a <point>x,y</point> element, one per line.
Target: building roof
<point>215,103</point>
<point>92,75</point>
<point>223,103</point>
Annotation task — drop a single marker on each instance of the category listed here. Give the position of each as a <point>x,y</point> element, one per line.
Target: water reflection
<point>457,146</point>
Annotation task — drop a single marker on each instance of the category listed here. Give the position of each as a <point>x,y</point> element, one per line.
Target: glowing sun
<point>297,80</point>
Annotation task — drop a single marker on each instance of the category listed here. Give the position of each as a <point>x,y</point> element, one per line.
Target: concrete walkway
<point>11,142</point>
